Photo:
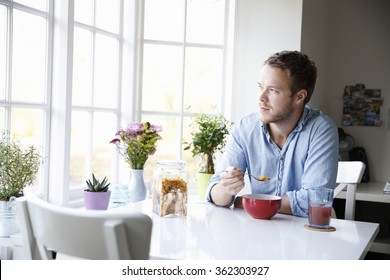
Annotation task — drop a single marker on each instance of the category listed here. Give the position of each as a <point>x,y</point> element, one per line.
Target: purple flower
<point>134,128</point>
<point>155,128</point>
<point>113,141</point>
<point>137,142</point>
<point>119,132</point>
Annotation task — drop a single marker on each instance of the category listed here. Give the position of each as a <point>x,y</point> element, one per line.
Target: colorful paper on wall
<point>361,106</point>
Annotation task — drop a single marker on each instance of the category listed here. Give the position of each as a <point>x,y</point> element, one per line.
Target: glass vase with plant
<point>19,166</point>
<point>136,143</point>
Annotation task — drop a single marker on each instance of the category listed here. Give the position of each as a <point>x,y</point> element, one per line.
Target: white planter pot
<point>9,222</point>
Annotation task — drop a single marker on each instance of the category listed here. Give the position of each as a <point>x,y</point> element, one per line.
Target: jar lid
<point>174,164</point>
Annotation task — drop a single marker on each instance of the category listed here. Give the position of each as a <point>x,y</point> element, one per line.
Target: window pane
<point>37,4</point>
<point>83,11</point>
<point>203,80</point>
<point>161,78</point>
<point>164,20</point>
<point>82,67</point>
<point>79,147</point>
<point>28,57</point>
<point>205,21</point>
<point>104,124</point>
<point>192,162</point>
<point>28,132</point>
<point>3,65</point>
<point>107,15</point>
<point>106,72</point>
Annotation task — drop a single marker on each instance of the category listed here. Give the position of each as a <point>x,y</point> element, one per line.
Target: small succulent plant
<point>96,185</point>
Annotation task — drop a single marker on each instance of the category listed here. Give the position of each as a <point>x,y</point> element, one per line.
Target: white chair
<point>80,233</point>
<point>349,174</point>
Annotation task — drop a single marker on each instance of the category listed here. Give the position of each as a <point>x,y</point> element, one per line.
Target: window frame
<point>8,104</point>
<point>226,81</point>
<point>57,105</point>
<point>62,101</point>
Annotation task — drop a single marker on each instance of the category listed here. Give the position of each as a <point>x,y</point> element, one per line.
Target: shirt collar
<point>300,125</point>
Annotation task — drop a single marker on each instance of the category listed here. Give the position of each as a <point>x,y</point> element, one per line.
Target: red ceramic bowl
<point>261,206</point>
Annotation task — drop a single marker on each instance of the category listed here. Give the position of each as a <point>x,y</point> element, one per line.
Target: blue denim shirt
<point>308,159</point>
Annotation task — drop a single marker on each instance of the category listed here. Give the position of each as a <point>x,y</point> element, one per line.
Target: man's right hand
<point>232,182</point>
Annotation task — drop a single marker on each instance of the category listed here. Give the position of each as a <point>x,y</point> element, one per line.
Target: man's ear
<point>300,96</point>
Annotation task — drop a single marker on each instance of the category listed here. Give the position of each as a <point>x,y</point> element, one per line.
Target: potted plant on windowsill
<point>208,137</point>
<point>97,195</point>
<point>19,166</point>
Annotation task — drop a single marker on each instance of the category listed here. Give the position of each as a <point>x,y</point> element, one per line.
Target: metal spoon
<point>259,178</point>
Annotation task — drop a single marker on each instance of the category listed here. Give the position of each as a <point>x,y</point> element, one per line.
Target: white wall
<point>352,45</point>
<point>263,27</point>
<point>314,39</point>
<point>348,39</point>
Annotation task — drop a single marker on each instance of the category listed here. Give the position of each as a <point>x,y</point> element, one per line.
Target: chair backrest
<point>349,174</point>
<point>80,233</point>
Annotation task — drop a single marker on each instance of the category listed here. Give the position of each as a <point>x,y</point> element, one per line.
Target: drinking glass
<point>320,207</point>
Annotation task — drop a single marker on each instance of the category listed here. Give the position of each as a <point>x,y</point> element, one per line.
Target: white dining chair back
<point>349,174</point>
<point>85,234</point>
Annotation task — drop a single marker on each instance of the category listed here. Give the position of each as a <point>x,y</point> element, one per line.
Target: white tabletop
<point>210,232</point>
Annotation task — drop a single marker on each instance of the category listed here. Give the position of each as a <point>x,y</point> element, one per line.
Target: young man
<point>292,144</point>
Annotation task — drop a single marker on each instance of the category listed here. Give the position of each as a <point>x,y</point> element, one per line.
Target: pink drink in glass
<point>319,215</point>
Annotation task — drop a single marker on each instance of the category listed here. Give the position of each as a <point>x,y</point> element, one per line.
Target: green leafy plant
<point>208,137</point>
<point>19,166</point>
<point>96,185</point>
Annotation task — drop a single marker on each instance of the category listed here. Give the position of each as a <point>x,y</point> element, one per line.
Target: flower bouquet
<point>137,142</point>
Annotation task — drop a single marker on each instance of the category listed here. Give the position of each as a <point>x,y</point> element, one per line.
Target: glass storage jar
<point>170,189</point>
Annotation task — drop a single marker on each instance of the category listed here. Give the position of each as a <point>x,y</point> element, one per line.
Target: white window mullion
<point>48,98</point>
<point>61,103</point>
<point>88,160</point>
<point>29,10</point>
<point>139,47</point>
<point>183,76</point>
<point>229,58</point>
<point>225,41</point>
<point>120,58</point>
<point>90,111</point>
<point>122,68</point>
<point>9,66</point>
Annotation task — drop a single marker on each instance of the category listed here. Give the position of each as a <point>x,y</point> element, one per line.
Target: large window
<point>74,71</point>
<point>25,67</point>
<point>97,46</point>
<point>61,65</point>
<point>183,68</point>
